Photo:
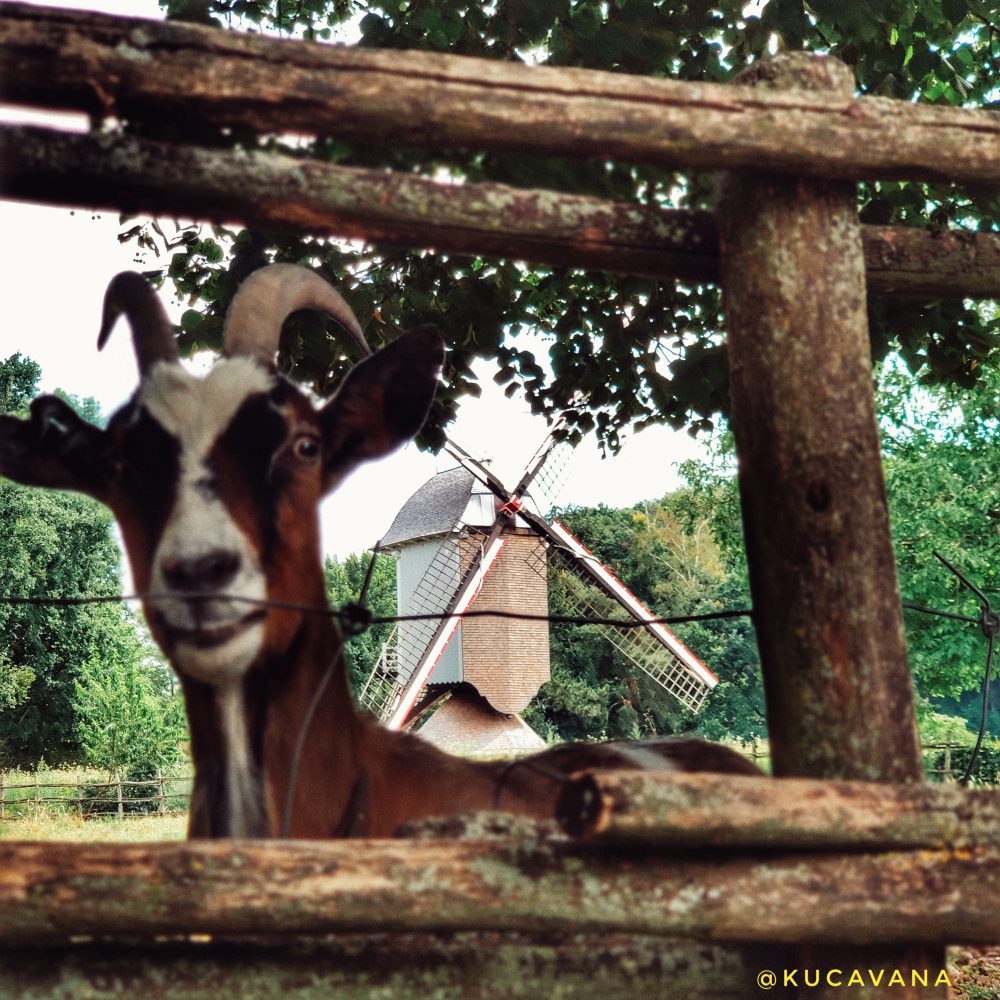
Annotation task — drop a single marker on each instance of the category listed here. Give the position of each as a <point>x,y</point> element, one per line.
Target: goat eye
<point>306,448</point>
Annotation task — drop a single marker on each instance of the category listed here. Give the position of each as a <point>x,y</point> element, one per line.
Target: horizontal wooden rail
<point>125,68</point>
<point>51,892</point>
<point>114,171</point>
<point>416,967</point>
<point>666,811</point>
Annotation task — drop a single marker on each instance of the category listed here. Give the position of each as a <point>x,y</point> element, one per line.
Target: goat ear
<point>382,403</point>
<point>54,447</point>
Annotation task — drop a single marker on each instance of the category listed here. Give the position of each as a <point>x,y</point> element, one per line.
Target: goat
<point>216,483</point>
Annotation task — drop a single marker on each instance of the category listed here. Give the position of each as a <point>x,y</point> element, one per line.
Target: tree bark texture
<point>823,580</point>
<point>421,967</point>
<point>125,68</point>
<point>52,892</point>
<point>268,190</point>
<point>648,810</point>
<point>822,574</point>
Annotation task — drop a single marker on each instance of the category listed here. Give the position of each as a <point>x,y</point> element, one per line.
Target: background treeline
<point>683,554</point>
<point>78,684</point>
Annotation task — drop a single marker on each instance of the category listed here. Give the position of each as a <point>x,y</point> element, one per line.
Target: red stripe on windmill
<point>464,541</point>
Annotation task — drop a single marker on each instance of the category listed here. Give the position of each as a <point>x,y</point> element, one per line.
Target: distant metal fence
<point>939,759</point>
<point>161,794</point>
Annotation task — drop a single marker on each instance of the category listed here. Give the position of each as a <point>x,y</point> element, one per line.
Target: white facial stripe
<point>196,411</point>
<point>241,781</point>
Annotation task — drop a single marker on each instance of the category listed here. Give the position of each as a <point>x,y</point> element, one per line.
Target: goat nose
<point>211,571</point>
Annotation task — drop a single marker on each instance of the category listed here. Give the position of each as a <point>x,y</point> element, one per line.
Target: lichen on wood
<point>650,810</point>
<point>129,174</point>
<point>125,67</point>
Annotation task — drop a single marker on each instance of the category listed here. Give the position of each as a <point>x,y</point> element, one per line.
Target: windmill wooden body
<point>465,542</point>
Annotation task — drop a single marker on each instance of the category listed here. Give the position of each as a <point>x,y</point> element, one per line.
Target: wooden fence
<point>939,763</point>
<point>87,797</point>
<point>701,886</point>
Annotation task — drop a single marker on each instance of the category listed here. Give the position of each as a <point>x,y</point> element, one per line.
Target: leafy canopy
<point>641,351</point>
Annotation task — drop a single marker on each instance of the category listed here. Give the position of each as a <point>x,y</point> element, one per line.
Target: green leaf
<point>954,10</point>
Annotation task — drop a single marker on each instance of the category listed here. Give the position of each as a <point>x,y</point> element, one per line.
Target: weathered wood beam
<point>829,628</point>
<point>305,196</point>
<point>124,173</point>
<point>668,811</point>
<point>421,967</point>
<point>54,891</point>
<point>822,576</point>
<point>126,68</point>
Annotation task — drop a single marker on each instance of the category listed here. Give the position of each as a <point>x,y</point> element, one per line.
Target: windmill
<point>464,535</point>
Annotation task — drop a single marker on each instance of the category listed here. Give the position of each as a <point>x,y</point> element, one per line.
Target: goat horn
<point>152,331</point>
<point>265,300</point>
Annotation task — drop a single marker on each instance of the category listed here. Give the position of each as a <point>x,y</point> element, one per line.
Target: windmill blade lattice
<point>639,646</point>
<point>547,485</point>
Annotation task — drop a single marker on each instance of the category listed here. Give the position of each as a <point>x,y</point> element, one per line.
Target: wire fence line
<point>355,618</point>
<point>28,795</point>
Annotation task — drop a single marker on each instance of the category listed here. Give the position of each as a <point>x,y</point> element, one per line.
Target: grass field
<point>51,825</point>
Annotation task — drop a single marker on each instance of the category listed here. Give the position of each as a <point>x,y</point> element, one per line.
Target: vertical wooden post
<point>822,573</point>
<point>3,796</point>
<point>118,789</point>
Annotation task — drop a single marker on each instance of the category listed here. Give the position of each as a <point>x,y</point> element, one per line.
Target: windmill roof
<point>466,725</point>
<point>433,509</point>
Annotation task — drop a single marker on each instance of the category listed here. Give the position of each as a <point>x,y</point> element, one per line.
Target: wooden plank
<point>131,68</point>
<point>272,191</point>
<point>667,811</point>
<point>51,892</point>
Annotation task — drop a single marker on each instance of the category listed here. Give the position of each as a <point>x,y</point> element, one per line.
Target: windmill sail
<point>400,655</point>
<point>594,591</point>
<point>651,647</point>
<point>450,582</point>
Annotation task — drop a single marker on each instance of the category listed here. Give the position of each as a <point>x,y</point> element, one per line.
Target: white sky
<point>56,264</point>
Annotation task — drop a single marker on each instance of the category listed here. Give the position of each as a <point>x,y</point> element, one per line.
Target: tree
<point>344,582</point>
<point>640,351</point>
<point>665,552</point>
<point>126,724</point>
<point>53,545</point>
<point>941,445</point>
